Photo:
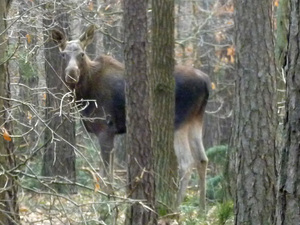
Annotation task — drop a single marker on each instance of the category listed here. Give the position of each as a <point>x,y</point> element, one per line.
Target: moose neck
<point>85,83</point>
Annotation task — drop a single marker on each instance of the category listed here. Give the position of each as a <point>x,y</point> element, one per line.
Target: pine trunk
<point>288,198</point>
<point>255,119</point>
<point>141,186</point>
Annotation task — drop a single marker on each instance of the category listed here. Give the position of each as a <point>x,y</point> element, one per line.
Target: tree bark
<point>9,209</point>
<point>141,184</point>
<point>113,29</point>
<point>162,114</point>
<point>29,76</point>
<point>255,117</point>
<point>59,155</point>
<point>288,196</point>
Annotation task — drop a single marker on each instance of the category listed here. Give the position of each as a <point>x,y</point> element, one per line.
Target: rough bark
<point>29,77</point>
<point>288,196</point>
<point>59,155</point>
<point>9,209</point>
<point>255,118</point>
<point>163,92</point>
<point>141,184</point>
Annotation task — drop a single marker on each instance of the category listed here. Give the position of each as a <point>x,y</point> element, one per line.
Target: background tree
<point>59,155</point>
<point>288,189</point>
<point>9,208</point>
<point>163,109</point>
<point>255,116</point>
<point>141,184</point>
<point>29,76</point>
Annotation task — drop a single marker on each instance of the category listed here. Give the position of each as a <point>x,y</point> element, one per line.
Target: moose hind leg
<point>185,161</point>
<point>200,158</point>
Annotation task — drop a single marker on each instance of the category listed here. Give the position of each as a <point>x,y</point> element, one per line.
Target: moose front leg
<point>106,142</point>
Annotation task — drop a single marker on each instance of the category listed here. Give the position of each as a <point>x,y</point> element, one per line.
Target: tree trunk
<point>29,77</point>
<point>255,118</point>
<point>163,92</point>
<point>9,209</point>
<point>113,30</point>
<point>141,185</point>
<point>288,196</point>
<point>59,155</point>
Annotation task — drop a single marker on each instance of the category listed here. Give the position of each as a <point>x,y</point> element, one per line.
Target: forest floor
<point>84,208</point>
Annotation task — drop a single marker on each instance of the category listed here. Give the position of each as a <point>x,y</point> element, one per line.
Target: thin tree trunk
<point>113,30</point>
<point>29,76</point>
<point>255,118</point>
<point>141,185</point>
<point>163,91</point>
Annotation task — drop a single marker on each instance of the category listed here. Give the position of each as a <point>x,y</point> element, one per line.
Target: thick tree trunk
<point>9,209</point>
<point>59,155</point>
<point>288,197</point>
<point>141,184</point>
<point>163,92</point>
<point>255,118</point>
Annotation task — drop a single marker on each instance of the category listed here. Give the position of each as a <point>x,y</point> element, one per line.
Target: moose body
<point>100,84</point>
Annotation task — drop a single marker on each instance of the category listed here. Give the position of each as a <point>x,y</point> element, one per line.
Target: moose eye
<point>82,54</point>
<point>63,55</point>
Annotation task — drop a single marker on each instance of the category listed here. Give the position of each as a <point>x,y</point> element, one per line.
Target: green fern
<point>217,154</point>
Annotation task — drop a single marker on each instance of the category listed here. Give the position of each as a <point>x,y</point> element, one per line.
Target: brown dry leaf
<point>29,115</point>
<point>230,51</point>
<point>91,5</point>
<point>230,9</point>
<point>213,86</point>
<point>231,59</point>
<point>107,7</point>
<point>96,182</point>
<point>23,209</point>
<point>28,37</point>
<point>219,36</point>
<point>97,187</point>
<point>231,54</point>
<point>189,49</point>
<point>6,135</point>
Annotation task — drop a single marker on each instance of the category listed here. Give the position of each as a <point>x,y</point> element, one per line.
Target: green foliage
<point>190,214</point>
<point>225,212</point>
<point>217,154</point>
<point>216,184</point>
<point>27,68</point>
<point>215,188</point>
<point>33,169</point>
<point>217,214</point>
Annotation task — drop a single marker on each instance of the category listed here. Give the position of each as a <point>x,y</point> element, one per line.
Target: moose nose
<point>72,74</point>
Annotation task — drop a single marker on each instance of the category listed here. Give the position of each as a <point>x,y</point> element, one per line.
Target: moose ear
<point>87,37</point>
<point>60,38</point>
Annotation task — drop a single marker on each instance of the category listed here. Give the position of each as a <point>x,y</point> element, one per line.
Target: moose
<point>100,83</point>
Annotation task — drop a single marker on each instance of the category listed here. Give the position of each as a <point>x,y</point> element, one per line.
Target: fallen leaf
<point>28,37</point>
<point>6,135</point>
<point>213,86</point>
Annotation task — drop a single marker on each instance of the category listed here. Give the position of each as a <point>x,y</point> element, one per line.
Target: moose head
<point>73,52</point>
